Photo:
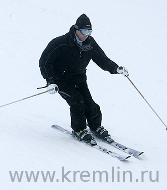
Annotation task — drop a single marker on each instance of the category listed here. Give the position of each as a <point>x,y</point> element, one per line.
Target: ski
<point>123,148</point>
<point>98,147</point>
<point>126,149</point>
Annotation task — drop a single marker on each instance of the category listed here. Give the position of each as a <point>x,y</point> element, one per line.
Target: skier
<point>63,64</point>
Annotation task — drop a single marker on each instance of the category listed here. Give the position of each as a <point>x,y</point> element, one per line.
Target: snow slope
<point>132,33</point>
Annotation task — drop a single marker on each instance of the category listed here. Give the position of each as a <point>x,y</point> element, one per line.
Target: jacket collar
<point>86,45</point>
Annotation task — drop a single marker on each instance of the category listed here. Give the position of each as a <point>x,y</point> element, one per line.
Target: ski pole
<point>24,99</point>
<point>147,102</point>
<point>60,92</point>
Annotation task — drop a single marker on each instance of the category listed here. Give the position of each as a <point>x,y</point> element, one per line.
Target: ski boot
<point>102,133</point>
<point>86,136</point>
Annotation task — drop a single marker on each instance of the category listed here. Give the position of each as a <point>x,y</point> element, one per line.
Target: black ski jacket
<point>63,59</point>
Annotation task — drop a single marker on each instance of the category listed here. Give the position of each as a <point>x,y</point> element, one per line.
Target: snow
<point>132,33</point>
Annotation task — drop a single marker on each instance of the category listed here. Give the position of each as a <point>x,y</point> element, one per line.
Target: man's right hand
<point>52,88</point>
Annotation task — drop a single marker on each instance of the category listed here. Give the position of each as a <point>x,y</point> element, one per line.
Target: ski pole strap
<point>42,87</point>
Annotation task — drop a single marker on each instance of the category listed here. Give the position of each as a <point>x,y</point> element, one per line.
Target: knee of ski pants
<point>77,106</point>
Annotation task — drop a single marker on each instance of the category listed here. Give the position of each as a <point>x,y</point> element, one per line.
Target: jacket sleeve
<point>48,57</point>
<point>100,58</point>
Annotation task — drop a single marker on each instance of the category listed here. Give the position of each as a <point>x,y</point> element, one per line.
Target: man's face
<point>81,36</point>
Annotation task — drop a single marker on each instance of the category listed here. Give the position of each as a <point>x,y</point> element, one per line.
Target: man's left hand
<point>122,70</point>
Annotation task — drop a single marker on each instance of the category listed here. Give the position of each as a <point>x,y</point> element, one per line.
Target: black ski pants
<point>83,109</point>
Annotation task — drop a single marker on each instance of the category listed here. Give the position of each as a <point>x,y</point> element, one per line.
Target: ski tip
<point>137,154</point>
<point>128,157</point>
<point>54,127</point>
<point>141,153</point>
<point>125,158</point>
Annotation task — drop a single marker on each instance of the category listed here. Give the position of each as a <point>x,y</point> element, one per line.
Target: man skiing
<point>63,64</point>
